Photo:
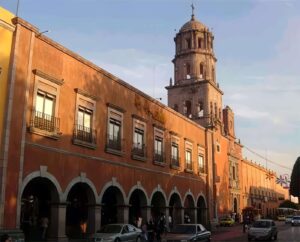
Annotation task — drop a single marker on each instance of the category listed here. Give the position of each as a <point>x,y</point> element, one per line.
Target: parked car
<point>227,221</point>
<point>288,219</point>
<point>295,220</point>
<point>188,233</point>
<point>117,233</point>
<point>281,218</point>
<point>263,229</point>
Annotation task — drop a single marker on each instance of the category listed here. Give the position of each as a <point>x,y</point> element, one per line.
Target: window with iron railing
<point>175,155</point>
<point>84,134</point>
<point>188,159</point>
<point>201,166</point>
<point>114,135</point>
<point>158,149</point>
<point>83,129</point>
<point>44,122</point>
<point>43,114</point>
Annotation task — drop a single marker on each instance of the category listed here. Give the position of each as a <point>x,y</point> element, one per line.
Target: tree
<point>295,180</point>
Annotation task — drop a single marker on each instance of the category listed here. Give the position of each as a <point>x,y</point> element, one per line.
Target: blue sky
<point>256,43</point>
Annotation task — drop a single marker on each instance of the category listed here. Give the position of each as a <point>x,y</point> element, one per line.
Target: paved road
<point>286,233</point>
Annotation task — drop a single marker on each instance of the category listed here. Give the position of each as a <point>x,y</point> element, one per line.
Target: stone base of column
<point>16,234</point>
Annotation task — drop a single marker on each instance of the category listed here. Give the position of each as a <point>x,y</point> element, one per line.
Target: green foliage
<point>295,179</point>
<point>288,204</point>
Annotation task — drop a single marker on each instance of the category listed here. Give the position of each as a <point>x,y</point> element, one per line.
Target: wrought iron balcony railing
<point>201,169</point>
<point>84,134</point>
<point>139,150</point>
<point>158,157</point>
<point>114,143</point>
<point>188,165</point>
<point>175,161</point>
<point>44,122</point>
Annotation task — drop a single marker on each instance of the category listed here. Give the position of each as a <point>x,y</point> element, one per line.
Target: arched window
<point>200,43</point>
<point>201,70</point>
<point>188,70</point>
<point>188,108</point>
<point>176,107</point>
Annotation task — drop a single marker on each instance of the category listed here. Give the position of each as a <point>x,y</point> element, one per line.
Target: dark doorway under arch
<point>201,211</point>
<point>158,203</point>
<point>175,208</point>
<point>36,201</point>
<point>112,206</point>
<point>189,209</point>
<point>77,214</point>
<point>138,206</point>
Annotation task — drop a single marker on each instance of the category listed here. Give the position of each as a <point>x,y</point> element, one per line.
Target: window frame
<point>44,83</point>
<point>158,136</point>
<point>81,135</point>
<point>139,126</point>
<point>188,149</point>
<point>115,116</point>
<point>174,163</point>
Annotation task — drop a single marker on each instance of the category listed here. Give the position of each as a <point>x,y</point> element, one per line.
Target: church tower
<point>195,92</point>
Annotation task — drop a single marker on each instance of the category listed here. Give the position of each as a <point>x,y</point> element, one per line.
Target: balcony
<point>189,166</point>
<point>175,162</point>
<point>45,124</point>
<point>84,136</point>
<point>114,145</point>
<point>139,151</point>
<point>158,158</point>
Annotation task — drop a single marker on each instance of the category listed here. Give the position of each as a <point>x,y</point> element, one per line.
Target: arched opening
<point>189,210</point>
<point>138,206</point>
<point>112,206</point>
<point>235,205</point>
<point>175,208</point>
<point>158,204</point>
<point>201,211</point>
<point>202,71</point>
<point>78,217</point>
<point>36,212</point>
<point>188,108</point>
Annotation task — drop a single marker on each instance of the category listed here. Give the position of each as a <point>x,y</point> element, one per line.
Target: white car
<point>295,220</point>
<point>263,229</point>
<point>117,233</point>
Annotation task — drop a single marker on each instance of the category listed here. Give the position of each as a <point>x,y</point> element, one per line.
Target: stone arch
<point>158,203</point>
<point>39,193</point>
<point>202,210</point>
<point>113,203</point>
<point>44,174</point>
<point>138,201</point>
<point>189,208</point>
<point>175,207</point>
<point>81,198</point>
<point>80,179</point>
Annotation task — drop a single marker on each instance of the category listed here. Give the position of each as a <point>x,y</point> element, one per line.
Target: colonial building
<point>83,148</point>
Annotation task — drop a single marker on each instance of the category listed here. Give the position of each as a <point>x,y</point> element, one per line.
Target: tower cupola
<point>195,92</point>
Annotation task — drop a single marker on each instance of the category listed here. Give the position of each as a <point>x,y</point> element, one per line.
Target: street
<point>285,233</point>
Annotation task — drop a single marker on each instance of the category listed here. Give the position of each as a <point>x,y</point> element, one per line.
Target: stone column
<point>94,218</point>
<point>57,223</point>
<point>123,213</point>
<point>149,215</point>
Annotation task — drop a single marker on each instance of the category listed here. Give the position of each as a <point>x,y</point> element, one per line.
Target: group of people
<point>153,229</point>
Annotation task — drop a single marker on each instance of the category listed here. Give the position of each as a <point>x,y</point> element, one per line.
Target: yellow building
<point>6,36</point>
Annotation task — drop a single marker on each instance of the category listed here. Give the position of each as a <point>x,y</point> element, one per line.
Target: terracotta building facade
<point>84,148</point>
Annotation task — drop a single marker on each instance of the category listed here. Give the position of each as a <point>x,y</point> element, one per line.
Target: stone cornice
<point>48,77</point>
<point>86,94</point>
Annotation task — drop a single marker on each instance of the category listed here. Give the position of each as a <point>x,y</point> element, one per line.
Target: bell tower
<point>195,92</point>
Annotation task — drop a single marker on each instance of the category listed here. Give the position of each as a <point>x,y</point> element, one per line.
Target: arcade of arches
<point>83,212</point>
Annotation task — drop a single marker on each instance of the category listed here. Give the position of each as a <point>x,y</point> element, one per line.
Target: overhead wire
<point>266,159</point>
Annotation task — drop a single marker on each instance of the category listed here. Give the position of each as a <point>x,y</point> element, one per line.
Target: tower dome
<point>193,24</point>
